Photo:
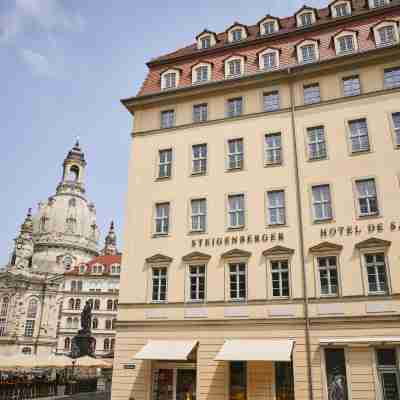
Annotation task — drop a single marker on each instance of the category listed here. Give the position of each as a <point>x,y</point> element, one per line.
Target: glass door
<point>388,373</point>
<point>390,385</point>
<point>163,384</point>
<point>186,384</point>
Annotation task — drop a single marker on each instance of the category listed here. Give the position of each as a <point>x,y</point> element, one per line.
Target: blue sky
<point>65,64</point>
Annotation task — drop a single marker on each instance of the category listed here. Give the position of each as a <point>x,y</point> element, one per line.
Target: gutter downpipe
<point>301,239</point>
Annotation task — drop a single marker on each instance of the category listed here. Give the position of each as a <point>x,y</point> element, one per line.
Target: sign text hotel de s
<point>334,231</point>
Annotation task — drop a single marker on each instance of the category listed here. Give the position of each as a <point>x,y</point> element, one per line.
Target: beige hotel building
<point>261,251</point>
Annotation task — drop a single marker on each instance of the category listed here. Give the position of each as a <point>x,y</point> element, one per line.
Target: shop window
<point>336,380</point>
<point>388,373</point>
<point>238,380</point>
<point>284,384</point>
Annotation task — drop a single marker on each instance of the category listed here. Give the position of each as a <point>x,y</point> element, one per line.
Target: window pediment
<point>373,243</point>
<point>196,256</point>
<point>277,251</point>
<point>158,258</point>
<point>326,247</point>
<point>236,253</point>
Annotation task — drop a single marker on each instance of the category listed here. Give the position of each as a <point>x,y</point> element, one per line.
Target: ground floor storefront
<point>246,360</point>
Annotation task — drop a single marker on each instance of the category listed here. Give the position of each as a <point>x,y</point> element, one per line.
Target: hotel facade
<point>262,226</point>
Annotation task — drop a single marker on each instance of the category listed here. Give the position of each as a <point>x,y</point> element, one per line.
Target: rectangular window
<point>322,204</point>
<point>167,119</point>
<point>346,44</point>
<point>342,10</point>
<point>236,211</point>
<point>308,53</point>
<point>312,94</point>
<point>280,278</point>
<point>200,112</point>
<point>284,380</point>
<point>396,126</point>
<point>388,373</point>
<point>276,207</point>
<point>392,78</point>
<point>165,163</point>
<point>376,273</point>
<point>367,198</point>
<point>235,154</point>
<point>199,159</point>
<point>3,326</point>
<point>316,143</point>
<point>159,284</point>
<point>387,35</point>
<point>270,61</point>
<point>273,148</point>
<point>29,327</point>
<point>235,67</point>
<point>328,276</point>
<point>306,19</point>
<point>235,107</point>
<point>170,80</point>
<point>202,74</point>
<point>351,86</point>
<point>162,219</point>
<point>238,380</point>
<point>237,281</point>
<point>379,3</point>
<point>198,215</point>
<point>359,135</point>
<point>206,43</point>
<point>237,35</point>
<point>336,377</point>
<point>269,27</point>
<point>197,278</point>
<point>271,101</point>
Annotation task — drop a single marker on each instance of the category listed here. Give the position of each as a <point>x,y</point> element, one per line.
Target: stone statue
<point>86,318</point>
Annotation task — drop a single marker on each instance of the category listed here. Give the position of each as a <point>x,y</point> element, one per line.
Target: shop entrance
<point>174,382</point>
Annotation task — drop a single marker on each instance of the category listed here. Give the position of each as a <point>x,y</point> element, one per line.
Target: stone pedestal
<point>83,344</point>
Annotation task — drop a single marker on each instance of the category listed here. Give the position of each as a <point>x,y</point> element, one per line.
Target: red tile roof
<point>105,260</point>
<point>185,58</point>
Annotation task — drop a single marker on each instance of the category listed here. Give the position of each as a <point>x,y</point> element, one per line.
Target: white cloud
<point>38,63</point>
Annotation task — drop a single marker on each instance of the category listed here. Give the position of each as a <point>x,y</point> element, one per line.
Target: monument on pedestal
<point>83,344</point>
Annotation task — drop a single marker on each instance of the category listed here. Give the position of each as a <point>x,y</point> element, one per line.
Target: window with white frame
<point>316,143</point>
<point>345,44</point>
<point>29,327</point>
<point>367,197</point>
<point>162,218</point>
<point>273,148</point>
<point>387,35</point>
<point>276,207</point>
<point>236,211</point>
<point>236,35</point>
<point>198,215</point>
<point>169,80</point>
<point>197,282</point>
<point>234,67</point>
<point>306,19</point>
<point>269,27</point>
<point>308,53</point>
<point>271,101</point>
<point>235,153</point>
<point>376,273</point>
<point>164,163</point>
<point>392,77</point>
<point>378,3</point>
<point>280,278</point>
<point>321,202</point>
<point>200,112</point>
<point>199,159</point>
<point>235,107</point>
<point>167,118</point>
<point>359,139</point>
<point>237,281</point>
<point>351,85</point>
<point>269,59</point>
<point>312,93</point>
<point>159,284</point>
<point>205,42</point>
<point>328,275</point>
<point>396,127</point>
<point>342,9</point>
<point>201,74</point>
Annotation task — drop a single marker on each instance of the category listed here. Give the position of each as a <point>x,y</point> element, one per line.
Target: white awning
<point>360,340</point>
<point>166,350</point>
<point>256,350</point>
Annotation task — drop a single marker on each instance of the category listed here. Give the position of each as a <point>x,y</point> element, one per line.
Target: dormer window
<point>234,67</point>
<point>378,3</point>
<point>307,52</point>
<point>236,32</point>
<point>269,59</point>
<point>340,8</point>
<point>306,19</point>
<point>386,33</point>
<point>115,269</point>
<point>206,42</point>
<point>306,16</point>
<point>268,25</point>
<point>97,269</point>
<point>236,35</point>
<point>201,73</point>
<point>346,42</point>
<point>170,79</point>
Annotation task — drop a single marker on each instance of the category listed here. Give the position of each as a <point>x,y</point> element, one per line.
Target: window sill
<point>197,174</point>
<point>238,169</point>
<point>316,159</point>
<point>378,293</point>
<point>369,216</point>
<point>274,164</point>
<point>235,228</point>
<point>323,221</point>
<point>163,178</point>
<point>360,152</point>
<point>160,235</point>
<point>276,226</point>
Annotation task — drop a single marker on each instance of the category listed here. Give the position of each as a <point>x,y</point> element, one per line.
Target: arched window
<point>73,174</point>
<point>109,305</point>
<point>114,322</point>
<point>77,304</point>
<point>69,322</point>
<point>76,322</point>
<point>108,324</point>
<point>4,307</point>
<point>106,345</point>
<point>32,308</point>
<point>71,303</point>
<point>67,262</point>
<point>112,344</point>
<point>115,305</point>
<point>95,323</point>
<point>90,301</point>
<point>67,343</point>
<point>73,286</point>
<point>97,304</point>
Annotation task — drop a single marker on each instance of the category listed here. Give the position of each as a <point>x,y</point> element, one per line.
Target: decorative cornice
<point>196,256</point>
<point>277,250</point>
<point>325,247</point>
<point>236,253</point>
<point>372,242</point>
<point>158,258</point>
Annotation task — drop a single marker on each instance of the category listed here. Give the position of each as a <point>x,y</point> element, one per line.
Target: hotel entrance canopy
<point>166,350</point>
<point>256,350</point>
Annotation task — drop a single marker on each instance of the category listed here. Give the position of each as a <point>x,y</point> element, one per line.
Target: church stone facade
<point>62,234</point>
